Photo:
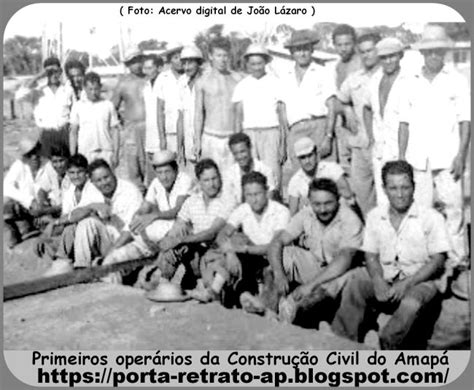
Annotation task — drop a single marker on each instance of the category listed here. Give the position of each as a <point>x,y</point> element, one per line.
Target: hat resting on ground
<point>191,52</point>
<point>304,146</point>
<point>132,53</point>
<point>390,45</point>
<point>258,49</point>
<point>434,37</point>
<point>302,37</point>
<point>163,157</point>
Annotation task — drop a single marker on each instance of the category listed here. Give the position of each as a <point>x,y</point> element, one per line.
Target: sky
<point>105,20</point>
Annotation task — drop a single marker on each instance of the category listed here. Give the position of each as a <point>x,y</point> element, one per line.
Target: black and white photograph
<point>236,177</point>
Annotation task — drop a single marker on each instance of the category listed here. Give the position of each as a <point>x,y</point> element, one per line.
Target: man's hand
<point>399,289</point>
<point>302,291</point>
<point>102,210</point>
<point>326,147</point>
<point>458,166</point>
<point>140,222</point>
<point>233,264</point>
<point>197,150</point>
<point>226,245</point>
<point>281,283</point>
<point>382,290</point>
<point>168,243</point>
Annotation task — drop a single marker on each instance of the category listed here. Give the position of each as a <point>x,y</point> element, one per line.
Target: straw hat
<point>304,146</point>
<point>28,142</point>
<point>390,45</point>
<point>191,52</point>
<point>167,292</point>
<point>163,157</point>
<point>434,37</point>
<point>132,53</point>
<point>302,37</point>
<point>258,49</point>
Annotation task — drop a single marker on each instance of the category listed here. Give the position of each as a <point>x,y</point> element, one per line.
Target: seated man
<point>405,247</point>
<point>101,227</point>
<point>200,219</point>
<point>155,217</point>
<point>311,168</point>
<point>242,256</point>
<point>241,148</point>
<point>330,235</point>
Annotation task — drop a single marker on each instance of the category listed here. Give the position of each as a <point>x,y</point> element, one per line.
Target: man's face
<point>434,59</point>
<point>308,162</point>
<point>34,160</point>
<point>302,54</point>
<point>345,46</point>
<point>166,175</point>
<point>190,66</point>
<point>391,63</point>
<point>256,66</point>
<point>53,72</point>
<point>77,175</point>
<point>136,66</point>
<point>59,164</point>
<point>242,154</point>
<point>150,70</point>
<point>324,204</point>
<point>105,181</point>
<point>220,59</point>
<point>175,63</point>
<point>76,76</point>
<point>92,91</point>
<point>256,196</point>
<point>399,190</point>
<point>368,54</point>
<point>210,182</point>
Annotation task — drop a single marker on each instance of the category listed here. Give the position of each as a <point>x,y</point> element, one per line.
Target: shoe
<point>287,310</point>
<point>251,303</point>
<point>59,266</point>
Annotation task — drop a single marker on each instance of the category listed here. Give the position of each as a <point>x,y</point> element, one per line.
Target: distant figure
<point>129,91</point>
<point>213,117</point>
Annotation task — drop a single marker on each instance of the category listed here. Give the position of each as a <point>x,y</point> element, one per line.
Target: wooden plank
<point>83,275</point>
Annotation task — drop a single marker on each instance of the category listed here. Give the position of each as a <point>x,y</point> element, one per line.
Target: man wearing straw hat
<point>258,110</point>
<point>309,96</point>
<point>129,91</point>
<point>435,133</point>
<point>192,60</point>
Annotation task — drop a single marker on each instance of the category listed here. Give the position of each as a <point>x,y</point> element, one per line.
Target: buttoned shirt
<point>308,98</point>
<point>233,179</point>
<point>165,201</point>
<point>53,108</point>
<point>298,185</point>
<point>90,194</point>
<point>355,90</point>
<point>53,185</point>
<point>150,96</point>
<point>187,95</point>
<point>385,125</point>
<point>402,253</point>
<point>125,201</point>
<point>433,111</point>
<point>326,241</point>
<point>274,218</point>
<point>168,91</point>
<point>259,98</point>
<point>201,216</point>
<point>95,121</point>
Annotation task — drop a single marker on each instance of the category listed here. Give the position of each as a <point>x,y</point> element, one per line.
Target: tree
<point>152,44</point>
<point>22,55</point>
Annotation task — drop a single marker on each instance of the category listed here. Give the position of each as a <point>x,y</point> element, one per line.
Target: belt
<point>311,118</point>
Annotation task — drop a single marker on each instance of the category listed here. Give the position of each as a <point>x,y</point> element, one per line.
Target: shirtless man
<point>213,117</point>
<point>129,91</point>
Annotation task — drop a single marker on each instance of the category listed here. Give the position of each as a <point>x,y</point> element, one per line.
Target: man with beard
<point>405,247</point>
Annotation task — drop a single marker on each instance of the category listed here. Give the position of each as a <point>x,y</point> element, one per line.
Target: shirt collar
<point>413,212</point>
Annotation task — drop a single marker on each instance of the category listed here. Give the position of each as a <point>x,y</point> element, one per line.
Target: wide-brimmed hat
<point>258,49</point>
<point>163,157</point>
<point>167,292</point>
<point>191,52</point>
<point>434,37</point>
<point>390,45</point>
<point>304,146</point>
<point>132,53</point>
<point>302,37</point>
<point>29,141</point>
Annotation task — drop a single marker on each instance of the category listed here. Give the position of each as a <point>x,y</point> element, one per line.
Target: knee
<point>409,306</point>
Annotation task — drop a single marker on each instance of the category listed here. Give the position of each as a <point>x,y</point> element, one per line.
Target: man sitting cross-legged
<point>405,247</point>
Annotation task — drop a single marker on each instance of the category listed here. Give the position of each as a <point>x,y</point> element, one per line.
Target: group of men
<point>372,147</point>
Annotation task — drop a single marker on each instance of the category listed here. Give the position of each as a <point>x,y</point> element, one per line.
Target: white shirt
<point>259,98</point>
<point>157,194</point>
<point>125,201</point>
<point>308,98</point>
<point>298,185</point>
<point>53,108</point>
<point>95,120</point>
<point>150,96</point>
<point>90,194</point>
<point>233,179</point>
<point>168,91</point>
<point>274,218</point>
<point>188,102</point>
<point>433,111</point>
<point>385,127</point>
<point>52,185</point>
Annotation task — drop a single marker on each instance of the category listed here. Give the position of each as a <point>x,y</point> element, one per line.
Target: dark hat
<point>302,37</point>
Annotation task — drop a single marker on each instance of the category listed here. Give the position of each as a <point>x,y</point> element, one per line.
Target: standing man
<point>309,97</point>
<point>169,101</point>
<point>387,89</point>
<point>405,247</point>
<point>352,94</point>
<point>129,91</point>
<point>192,60</point>
<point>435,133</point>
<point>258,110</point>
<point>213,116</point>
<point>75,71</point>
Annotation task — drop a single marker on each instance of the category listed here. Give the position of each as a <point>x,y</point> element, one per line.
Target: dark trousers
<point>52,138</point>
